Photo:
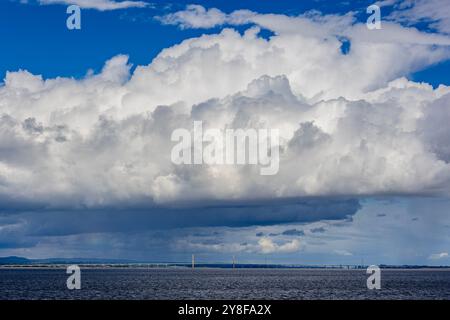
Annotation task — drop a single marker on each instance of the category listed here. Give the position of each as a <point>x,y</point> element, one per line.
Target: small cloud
<point>438,256</point>
<point>266,245</point>
<point>317,230</point>
<point>431,12</point>
<point>211,242</point>
<point>101,5</point>
<point>260,234</point>
<point>293,232</point>
<point>343,252</point>
<point>195,16</point>
<point>205,234</point>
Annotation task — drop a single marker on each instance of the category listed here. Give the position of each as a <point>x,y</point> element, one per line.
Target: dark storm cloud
<point>66,222</point>
<point>12,234</point>
<point>211,242</point>
<point>15,243</point>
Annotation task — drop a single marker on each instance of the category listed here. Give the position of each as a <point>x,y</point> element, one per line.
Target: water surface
<point>130,283</point>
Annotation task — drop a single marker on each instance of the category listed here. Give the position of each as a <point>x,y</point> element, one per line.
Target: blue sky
<point>40,43</point>
<point>84,169</point>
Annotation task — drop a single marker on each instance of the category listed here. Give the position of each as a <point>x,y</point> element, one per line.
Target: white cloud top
<point>351,124</point>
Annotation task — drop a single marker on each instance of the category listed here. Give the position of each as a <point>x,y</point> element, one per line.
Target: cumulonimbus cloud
<point>351,124</point>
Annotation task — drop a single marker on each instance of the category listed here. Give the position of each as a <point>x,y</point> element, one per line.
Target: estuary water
<point>168,283</point>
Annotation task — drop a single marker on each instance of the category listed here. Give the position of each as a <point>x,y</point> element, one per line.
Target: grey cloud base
<point>61,223</point>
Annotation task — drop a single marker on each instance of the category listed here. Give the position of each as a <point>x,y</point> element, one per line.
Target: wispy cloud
<point>293,232</point>
<point>102,5</point>
<point>434,12</point>
<point>266,245</point>
<point>317,230</point>
<point>198,17</point>
<point>343,252</point>
<point>438,256</point>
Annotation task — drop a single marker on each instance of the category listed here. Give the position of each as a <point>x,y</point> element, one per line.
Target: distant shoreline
<point>213,266</point>
<point>14,262</point>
